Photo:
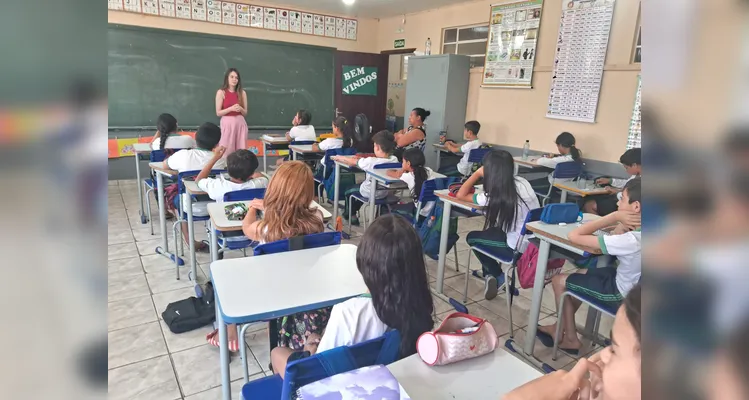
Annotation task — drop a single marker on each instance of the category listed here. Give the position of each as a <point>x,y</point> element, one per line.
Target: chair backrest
<point>245,194</point>
<point>477,155</point>
<point>379,351</point>
<point>427,193</point>
<point>299,243</point>
<point>532,216</point>
<point>157,155</point>
<point>303,142</point>
<point>568,170</point>
<point>391,165</point>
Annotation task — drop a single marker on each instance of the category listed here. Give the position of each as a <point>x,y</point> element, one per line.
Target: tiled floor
<point>147,361</point>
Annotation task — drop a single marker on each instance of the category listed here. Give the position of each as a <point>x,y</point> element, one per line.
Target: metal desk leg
<point>564,196</point>
<point>439,160</point>
<point>446,209</point>
<point>143,219</point>
<point>224,351</point>
<point>517,168</point>
<point>372,197</point>
<point>336,192</point>
<point>265,157</point>
<point>162,211</point>
<point>191,237</point>
<point>538,293</point>
<point>214,243</point>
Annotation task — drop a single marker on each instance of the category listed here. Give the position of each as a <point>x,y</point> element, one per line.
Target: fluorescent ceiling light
<point>348,2</point>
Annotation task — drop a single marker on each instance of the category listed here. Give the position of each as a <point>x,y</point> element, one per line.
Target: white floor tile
<point>130,312</point>
<point>150,379</point>
<point>124,267</point>
<point>138,343</point>
<point>198,369</point>
<point>127,287</point>
<point>120,251</point>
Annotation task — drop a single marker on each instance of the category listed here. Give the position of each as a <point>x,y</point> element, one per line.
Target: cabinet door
<point>427,88</point>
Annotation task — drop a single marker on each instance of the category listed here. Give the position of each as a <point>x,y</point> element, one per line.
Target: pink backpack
<point>526,267</point>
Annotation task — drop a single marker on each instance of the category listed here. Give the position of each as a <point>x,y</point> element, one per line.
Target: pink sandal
<point>213,340</point>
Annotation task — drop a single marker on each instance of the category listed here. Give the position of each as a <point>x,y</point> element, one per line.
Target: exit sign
<point>399,43</point>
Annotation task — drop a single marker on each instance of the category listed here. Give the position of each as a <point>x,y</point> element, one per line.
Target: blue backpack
<point>430,229</point>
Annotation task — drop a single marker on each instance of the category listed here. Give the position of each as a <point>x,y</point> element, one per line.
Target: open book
<point>276,139</point>
<point>375,382</point>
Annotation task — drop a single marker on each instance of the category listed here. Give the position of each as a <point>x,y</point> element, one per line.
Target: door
<point>361,86</point>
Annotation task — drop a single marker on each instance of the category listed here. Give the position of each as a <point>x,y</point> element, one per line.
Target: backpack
<point>430,231</point>
<point>526,267</point>
<point>362,134</point>
<point>191,313</point>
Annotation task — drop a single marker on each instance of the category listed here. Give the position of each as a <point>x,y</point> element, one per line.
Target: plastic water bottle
<point>428,47</point>
<point>526,149</point>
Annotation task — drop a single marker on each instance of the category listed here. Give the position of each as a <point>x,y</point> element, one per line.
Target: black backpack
<point>191,313</point>
<point>362,134</point>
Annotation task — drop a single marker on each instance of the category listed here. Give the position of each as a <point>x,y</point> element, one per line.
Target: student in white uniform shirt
<point>414,173</point>
<point>608,285</point>
<point>605,204</point>
<point>567,152</point>
<point>240,165</point>
<point>341,140</point>
<point>507,200</point>
<point>384,144</point>
<point>471,134</point>
<point>301,131</point>
<point>206,139</point>
<point>166,136</point>
<point>398,298</point>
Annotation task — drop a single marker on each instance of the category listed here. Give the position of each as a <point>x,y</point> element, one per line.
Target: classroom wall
<point>396,86</point>
<point>366,36</point>
<point>510,116</point>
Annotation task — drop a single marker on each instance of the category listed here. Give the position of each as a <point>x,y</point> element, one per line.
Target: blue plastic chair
<point>239,242</point>
<point>598,305</point>
<point>149,184</point>
<point>177,226</point>
<point>477,155</point>
<point>380,351</point>
<point>328,167</point>
<point>565,170</point>
<point>312,241</point>
<point>378,202</point>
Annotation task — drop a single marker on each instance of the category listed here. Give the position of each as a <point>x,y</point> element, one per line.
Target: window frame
<point>458,42</point>
<point>638,39</point>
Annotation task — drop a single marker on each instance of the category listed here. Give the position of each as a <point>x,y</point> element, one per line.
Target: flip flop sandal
<point>548,341</point>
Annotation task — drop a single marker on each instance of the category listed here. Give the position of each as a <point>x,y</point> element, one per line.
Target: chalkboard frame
<point>321,121</point>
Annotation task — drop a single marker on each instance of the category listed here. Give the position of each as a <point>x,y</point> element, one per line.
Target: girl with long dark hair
<point>167,137</point>
<point>414,173</point>
<point>342,139</point>
<point>231,106</point>
<point>507,199</point>
<point>391,262</point>
<point>568,151</point>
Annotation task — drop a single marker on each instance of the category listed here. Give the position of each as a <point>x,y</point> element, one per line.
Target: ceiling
<point>367,8</point>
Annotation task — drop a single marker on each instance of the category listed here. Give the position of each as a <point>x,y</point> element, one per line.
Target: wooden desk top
<point>159,166</point>
<point>588,191</point>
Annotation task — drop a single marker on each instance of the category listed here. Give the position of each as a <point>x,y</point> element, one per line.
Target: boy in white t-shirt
<point>241,166</point>
<point>384,144</point>
<point>470,133</point>
<point>206,138</point>
<point>608,285</point>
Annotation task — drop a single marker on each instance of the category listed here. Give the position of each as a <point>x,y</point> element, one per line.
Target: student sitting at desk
<point>166,136</point>
<point>567,152</point>
<point>241,166</point>
<point>207,139</point>
<point>414,173</point>
<point>605,204</point>
<point>610,284</point>
<point>384,144</point>
<point>615,372</point>
<point>300,131</point>
<point>507,199</point>
<point>342,140</point>
<point>471,134</point>
<point>398,295</point>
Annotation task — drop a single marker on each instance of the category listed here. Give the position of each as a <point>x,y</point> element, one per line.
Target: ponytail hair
<point>166,125</point>
<point>422,113</point>
<point>566,140</point>
<point>342,124</point>
<point>416,158</point>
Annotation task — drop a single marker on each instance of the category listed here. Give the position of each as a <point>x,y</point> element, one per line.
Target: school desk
<point>488,377</point>
<point>530,162</point>
<point>589,190</point>
<point>448,203</point>
<point>161,172</point>
<point>552,236</point>
<point>253,289</point>
<point>268,141</point>
<point>296,149</point>
<point>219,221</point>
<point>440,148</point>
<point>141,148</point>
<point>337,185</point>
<point>192,189</point>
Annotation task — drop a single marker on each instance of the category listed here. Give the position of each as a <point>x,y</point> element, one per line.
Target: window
<point>468,41</point>
<point>637,56</point>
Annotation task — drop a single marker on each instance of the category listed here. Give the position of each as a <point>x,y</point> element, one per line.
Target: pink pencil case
<point>459,337</point>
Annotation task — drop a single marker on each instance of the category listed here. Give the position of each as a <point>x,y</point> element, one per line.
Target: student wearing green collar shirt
<point>608,285</point>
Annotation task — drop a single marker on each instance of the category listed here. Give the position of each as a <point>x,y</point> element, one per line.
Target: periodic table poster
<point>634,139</point>
<point>511,48</point>
<point>578,63</point>
<point>241,14</point>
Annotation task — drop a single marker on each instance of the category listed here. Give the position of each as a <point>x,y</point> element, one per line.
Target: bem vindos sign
<point>359,81</point>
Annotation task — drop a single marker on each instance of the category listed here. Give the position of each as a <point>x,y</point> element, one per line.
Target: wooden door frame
<point>398,51</point>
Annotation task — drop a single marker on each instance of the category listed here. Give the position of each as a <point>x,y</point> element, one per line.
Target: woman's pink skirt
<point>233,133</point>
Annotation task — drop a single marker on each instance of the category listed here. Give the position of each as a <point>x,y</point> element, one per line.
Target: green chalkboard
<point>152,71</point>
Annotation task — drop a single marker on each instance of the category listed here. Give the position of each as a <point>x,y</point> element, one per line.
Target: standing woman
<point>231,106</point>
<point>415,136</point>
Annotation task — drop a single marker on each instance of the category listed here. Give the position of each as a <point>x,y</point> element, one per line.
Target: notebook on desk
<point>375,382</point>
<point>270,138</point>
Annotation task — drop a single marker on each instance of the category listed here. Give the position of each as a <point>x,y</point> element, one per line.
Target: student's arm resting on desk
<point>559,385</point>
<point>584,234</point>
<point>250,222</point>
<point>395,173</point>
<point>464,193</point>
<point>348,160</point>
<point>452,147</point>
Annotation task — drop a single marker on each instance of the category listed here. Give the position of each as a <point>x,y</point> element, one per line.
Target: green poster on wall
<point>359,81</point>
